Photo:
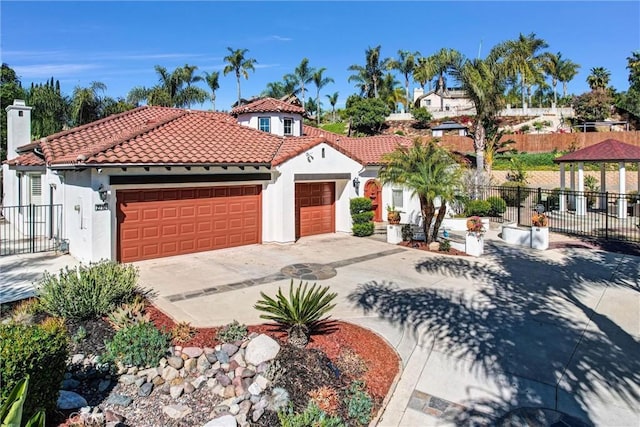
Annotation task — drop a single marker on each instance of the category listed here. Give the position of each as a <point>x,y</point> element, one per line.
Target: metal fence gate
<point>591,214</point>
<point>30,228</point>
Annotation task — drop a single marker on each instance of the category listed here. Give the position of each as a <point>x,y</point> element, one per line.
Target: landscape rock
<point>127,379</point>
<point>118,400</point>
<point>223,379</point>
<point>222,356</point>
<point>145,390</point>
<point>261,349</point>
<point>203,363</point>
<point>176,391</point>
<point>175,362</point>
<point>257,413</point>
<point>140,381</point>
<point>229,348</point>
<point>70,400</point>
<point>111,416</point>
<point>104,385</point>
<point>169,373</point>
<point>189,388</point>
<point>190,365</point>
<point>158,381</point>
<point>176,411</point>
<point>192,352</point>
<point>69,384</point>
<point>234,409</point>
<point>198,382</point>
<point>77,359</point>
<point>223,421</point>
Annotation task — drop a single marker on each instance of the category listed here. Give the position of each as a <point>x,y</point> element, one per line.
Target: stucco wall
<point>277,122</point>
<point>279,195</point>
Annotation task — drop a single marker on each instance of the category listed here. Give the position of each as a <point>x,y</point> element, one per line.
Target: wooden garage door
<point>176,221</point>
<point>315,213</point>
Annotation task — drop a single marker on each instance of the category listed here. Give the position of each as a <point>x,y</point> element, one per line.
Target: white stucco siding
<point>279,195</point>
<point>276,122</point>
<point>78,198</point>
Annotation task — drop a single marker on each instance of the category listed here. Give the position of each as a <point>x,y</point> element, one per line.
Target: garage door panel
<point>165,222</point>
<point>315,210</point>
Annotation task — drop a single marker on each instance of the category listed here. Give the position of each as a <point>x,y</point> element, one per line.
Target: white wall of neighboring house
<point>276,122</point>
<point>278,214</point>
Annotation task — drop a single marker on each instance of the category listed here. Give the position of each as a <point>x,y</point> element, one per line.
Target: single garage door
<point>315,213</point>
<point>175,221</point>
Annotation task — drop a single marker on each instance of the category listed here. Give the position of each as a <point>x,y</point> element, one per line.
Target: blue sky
<point>118,43</point>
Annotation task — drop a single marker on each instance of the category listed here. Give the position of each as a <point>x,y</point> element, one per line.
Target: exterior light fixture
<point>356,185</point>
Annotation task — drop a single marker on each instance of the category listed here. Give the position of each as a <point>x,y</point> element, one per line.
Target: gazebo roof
<point>610,150</point>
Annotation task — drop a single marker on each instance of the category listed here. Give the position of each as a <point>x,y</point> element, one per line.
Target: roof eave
<point>157,165</point>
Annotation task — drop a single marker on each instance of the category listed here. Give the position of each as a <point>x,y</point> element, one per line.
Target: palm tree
<point>483,80</point>
<point>186,75</point>
<point>86,103</point>
<point>320,82</point>
<point>443,61</point>
<point>281,89</point>
<point>568,70</point>
<point>174,89</point>
<point>240,65</point>
<point>598,80</point>
<point>362,82</point>
<point>429,172</point>
<point>303,74</point>
<point>212,82</point>
<point>371,74</point>
<point>551,65</point>
<point>405,64</point>
<point>333,100</point>
<point>523,59</point>
<point>425,71</point>
<point>391,92</point>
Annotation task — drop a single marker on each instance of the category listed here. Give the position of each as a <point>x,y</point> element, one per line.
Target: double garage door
<point>175,221</point>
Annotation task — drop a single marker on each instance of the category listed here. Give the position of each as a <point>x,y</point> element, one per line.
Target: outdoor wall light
<point>356,185</point>
<point>103,193</point>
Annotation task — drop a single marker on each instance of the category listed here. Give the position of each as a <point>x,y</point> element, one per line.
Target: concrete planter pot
<point>540,238</point>
<point>474,244</point>
<point>394,233</point>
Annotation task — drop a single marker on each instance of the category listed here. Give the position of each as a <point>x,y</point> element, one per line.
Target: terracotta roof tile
<point>27,159</point>
<point>265,105</point>
<point>368,150</point>
<point>610,150</point>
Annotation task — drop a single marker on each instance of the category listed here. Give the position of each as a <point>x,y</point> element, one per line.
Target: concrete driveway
<point>558,329</point>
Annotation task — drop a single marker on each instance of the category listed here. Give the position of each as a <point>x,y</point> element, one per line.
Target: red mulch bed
<point>381,360</point>
<point>424,247</point>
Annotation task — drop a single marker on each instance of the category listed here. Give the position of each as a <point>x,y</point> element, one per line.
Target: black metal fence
<point>30,228</point>
<point>597,215</point>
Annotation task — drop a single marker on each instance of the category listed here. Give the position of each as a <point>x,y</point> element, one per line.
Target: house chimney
<point>18,126</point>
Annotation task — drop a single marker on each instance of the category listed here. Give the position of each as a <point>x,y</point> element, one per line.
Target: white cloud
<point>279,38</point>
<point>48,70</point>
<point>266,65</point>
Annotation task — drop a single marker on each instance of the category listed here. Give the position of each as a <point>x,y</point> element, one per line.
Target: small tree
<point>592,106</point>
<point>430,172</point>
<point>422,117</point>
<point>367,115</point>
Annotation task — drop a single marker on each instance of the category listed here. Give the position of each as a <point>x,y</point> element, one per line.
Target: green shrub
<point>38,352</point>
<point>445,246</point>
<point>360,204</point>
<point>407,234</point>
<point>88,291</point>
<point>363,230</point>
<point>359,403</point>
<point>477,208</point>
<point>232,332</point>
<point>139,344</point>
<point>509,193</point>
<point>498,205</point>
<point>311,416</point>
<point>302,311</point>
<point>11,410</point>
<point>422,117</point>
<point>362,217</point>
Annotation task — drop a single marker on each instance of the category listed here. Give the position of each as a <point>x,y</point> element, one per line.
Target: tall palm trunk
<point>428,211</point>
<point>441,213</point>
<point>213,102</point>
<point>554,83</point>
<point>238,82</point>
<point>522,89</point>
<point>375,86</point>
<point>479,137</point>
<point>406,85</point>
<point>440,89</point>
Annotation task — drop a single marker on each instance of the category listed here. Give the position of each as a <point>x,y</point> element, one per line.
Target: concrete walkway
<point>478,337</point>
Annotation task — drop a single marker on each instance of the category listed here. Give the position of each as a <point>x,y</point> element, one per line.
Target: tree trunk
<point>427,217</point>
<point>302,92</point>
<point>238,82</point>
<point>441,213</point>
<point>318,106</point>
<point>213,102</point>
<point>333,108</point>
<point>441,91</point>
<point>406,85</point>
<point>554,82</point>
<point>564,89</point>
<point>522,89</point>
<point>479,145</point>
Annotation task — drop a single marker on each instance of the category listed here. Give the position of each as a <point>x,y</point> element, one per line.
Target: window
<point>428,103</point>
<point>397,198</point>
<point>288,126</point>
<point>264,124</point>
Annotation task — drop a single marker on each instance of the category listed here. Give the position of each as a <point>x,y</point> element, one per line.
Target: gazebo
<point>607,151</point>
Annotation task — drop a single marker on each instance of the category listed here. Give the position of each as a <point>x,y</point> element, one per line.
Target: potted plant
<point>474,243</point>
<point>393,215</point>
<point>539,231</point>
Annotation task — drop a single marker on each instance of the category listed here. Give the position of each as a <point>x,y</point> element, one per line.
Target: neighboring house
<point>156,181</point>
<point>453,100</point>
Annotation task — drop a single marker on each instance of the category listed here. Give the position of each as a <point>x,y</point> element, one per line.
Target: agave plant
<point>11,410</point>
<point>301,313</point>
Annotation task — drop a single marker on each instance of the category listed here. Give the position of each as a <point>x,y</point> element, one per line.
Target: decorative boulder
<point>261,349</point>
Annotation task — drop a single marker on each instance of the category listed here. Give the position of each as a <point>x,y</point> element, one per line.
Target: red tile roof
<point>609,150</point>
<point>170,136</point>
<point>267,105</point>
